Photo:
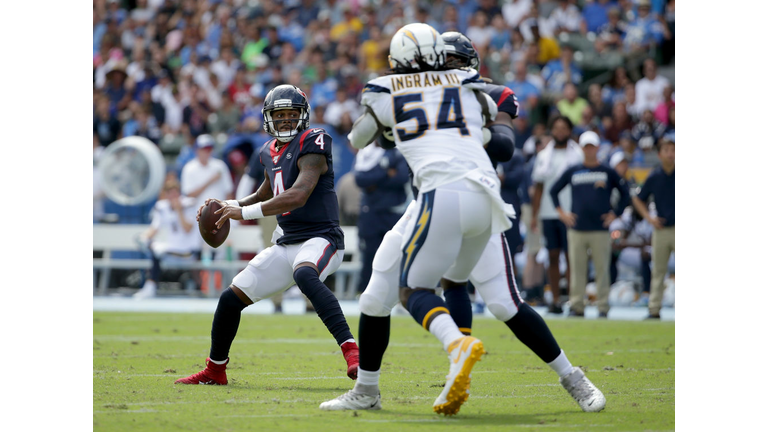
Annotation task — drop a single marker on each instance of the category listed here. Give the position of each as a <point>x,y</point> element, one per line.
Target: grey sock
<point>368,390</point>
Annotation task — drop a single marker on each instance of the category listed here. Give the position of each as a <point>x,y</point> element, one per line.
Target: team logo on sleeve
<point>275,158</point>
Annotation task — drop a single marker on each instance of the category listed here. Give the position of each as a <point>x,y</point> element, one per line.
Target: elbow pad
<point>501,147</point>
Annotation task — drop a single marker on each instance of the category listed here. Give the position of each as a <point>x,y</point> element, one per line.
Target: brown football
<point>207,224</point>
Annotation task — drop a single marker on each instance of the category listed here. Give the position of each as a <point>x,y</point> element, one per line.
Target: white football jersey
<point>436,121</point>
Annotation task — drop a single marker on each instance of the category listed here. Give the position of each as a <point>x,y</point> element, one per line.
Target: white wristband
<point>253,212</point>
<point>232,203</point>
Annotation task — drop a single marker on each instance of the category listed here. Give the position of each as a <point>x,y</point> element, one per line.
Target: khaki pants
<point>662,245</point>
<point>599,245</point>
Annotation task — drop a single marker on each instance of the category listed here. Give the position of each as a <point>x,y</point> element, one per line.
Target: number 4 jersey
<point>319,217</point>
<point>436,121</point>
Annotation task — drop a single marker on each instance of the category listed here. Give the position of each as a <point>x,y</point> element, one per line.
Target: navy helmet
<point>285,96</point>
<point>461,48</point>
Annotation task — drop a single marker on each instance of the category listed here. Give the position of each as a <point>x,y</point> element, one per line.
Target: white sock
<point>365,377</point>
<point>218,362</point>
<point>561,365</point>
<point>445,330</point>
<point>348,340</point>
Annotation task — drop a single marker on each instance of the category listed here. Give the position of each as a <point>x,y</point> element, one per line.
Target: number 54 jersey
<point>436,121</point>
<point>319,217</point>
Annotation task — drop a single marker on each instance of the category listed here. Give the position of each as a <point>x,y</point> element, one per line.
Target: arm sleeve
<point>502,144</point>
<point>558,186</point>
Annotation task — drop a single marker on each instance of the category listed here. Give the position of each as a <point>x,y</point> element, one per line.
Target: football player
<point>437,116</point>
<point>493,277</point>
<point>309,244</point>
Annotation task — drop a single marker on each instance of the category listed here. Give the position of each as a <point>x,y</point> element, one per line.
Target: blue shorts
<point>555,234</point>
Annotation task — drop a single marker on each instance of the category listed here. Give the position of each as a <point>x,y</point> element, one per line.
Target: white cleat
<point>463,353</point>
<point>589,398</point>
<point>352,400</point>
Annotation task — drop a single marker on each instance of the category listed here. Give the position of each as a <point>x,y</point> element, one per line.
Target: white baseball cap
<point>616,159</point>
<point>589,137</point>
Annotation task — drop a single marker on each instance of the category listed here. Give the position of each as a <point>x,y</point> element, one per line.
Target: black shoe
<point>603,315</point>
<point>555,309</point>
<point>575,314</point>
<point>653,317</point>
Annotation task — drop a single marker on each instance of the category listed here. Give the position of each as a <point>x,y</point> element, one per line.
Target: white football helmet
<point>416,47</point>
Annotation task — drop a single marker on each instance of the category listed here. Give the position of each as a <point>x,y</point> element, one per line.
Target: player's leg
<point>500,291</point>
<point>429,254</point>
<point>376,304</point>
<point>554,244</point>
<point>313,261</point>
<point>265,275</point>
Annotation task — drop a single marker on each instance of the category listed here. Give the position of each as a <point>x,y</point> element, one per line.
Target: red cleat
<point>352,356</point>
<point>213,374</point>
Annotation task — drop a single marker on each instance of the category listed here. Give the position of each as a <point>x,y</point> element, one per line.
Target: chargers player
<point>309,244</point>
<point>493,277</point>
<point>437,117</point>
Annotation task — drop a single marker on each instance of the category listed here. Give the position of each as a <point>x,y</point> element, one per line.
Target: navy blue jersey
<point>319,217</point>
<point>662,186</point>
<point>504,97</point>
<point>591,191</point>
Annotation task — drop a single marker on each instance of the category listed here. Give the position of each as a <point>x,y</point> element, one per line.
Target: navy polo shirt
<point>662,186</point>
<point>591,194</point>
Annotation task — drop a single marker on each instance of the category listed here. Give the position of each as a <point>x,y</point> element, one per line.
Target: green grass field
<point>283,366</point>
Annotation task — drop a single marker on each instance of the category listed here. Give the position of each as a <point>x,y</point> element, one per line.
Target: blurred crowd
<point>173,70</point>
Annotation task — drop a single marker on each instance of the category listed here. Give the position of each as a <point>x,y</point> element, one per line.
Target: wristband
<point>233,203</point>
<point>252,212</point>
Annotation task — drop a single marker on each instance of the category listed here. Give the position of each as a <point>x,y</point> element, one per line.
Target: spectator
<point>176,214</point>
<point>551,163</point>
<point>662,110</point>
<point>613,31</point>
<point>240,89</point>
<point>105,125</point>
<point>595,15</point>
<point>620,122</point>
<point>546,47</point>
<point>559,72</point>
<point>630,97</point>
<point>533,273</point>
<point>196,113</point>
<point>226,68</point>
<point>571,105</point>
<point>661,185</point>
<point>599,106</point>
<point>205,176</point>
<point>226,118</point>
<point>565,18</point>
<point>501,34</point>
<point>527,93</point>
<point>647,131</point>
<point>479,32</point>
<point>342,106</point>
<point>650,89</point>
<point>670,130</point>
<point>373,52</point>
<point>644,31</point>
<point>613,91</point>
<point>628,145</point>
<point>591,186</point>
<point>350,24</point>
<point>515,11</point>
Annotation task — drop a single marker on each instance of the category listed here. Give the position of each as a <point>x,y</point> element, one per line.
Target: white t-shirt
<point>649,94</point>
<point>166,218</point>
<point>194,174</point>
<point>548,170</point>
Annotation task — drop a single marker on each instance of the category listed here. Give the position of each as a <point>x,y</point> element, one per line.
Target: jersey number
<point>450,115</point>
<point>319,141</point>
<point>278,187</point>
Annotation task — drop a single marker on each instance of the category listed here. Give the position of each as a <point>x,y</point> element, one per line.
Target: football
<point>207,224</point>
